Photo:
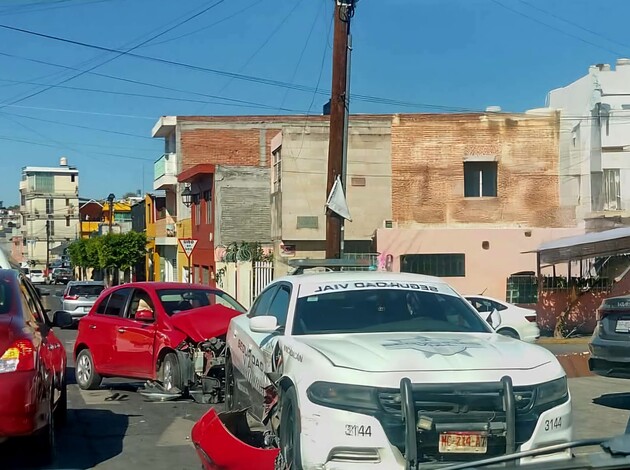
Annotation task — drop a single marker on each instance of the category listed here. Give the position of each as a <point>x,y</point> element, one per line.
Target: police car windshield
<point>384,311</point>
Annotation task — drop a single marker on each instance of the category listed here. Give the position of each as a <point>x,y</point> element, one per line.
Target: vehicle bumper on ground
<point>609,358</point>
<point>337,439</point>
<point>19,414</point>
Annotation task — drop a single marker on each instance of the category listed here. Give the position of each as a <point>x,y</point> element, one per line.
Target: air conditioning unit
<point>388,223</point>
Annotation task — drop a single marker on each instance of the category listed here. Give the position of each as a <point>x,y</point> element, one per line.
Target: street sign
<point>188,245</point>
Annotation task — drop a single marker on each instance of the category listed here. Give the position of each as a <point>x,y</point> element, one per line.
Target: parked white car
<point>37,276</point>
<point>389,370</point>
<point>516,322</point>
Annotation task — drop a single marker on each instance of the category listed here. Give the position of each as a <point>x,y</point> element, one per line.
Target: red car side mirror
<point>144,315</point>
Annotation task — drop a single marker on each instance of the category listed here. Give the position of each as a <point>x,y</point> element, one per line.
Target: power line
<point>76,111</point>
<point>263,44</point>
<point>154,85</point>
<point>51,5</point>
<point>594,33</point>
<point>190,33</point>
<point>502,5</point>
<point>118,54</point>
<point>238,76</point>
<point>297,65</point>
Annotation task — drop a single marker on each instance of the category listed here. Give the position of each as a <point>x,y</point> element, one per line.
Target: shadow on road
<point>619,401</point>
<point>91,436</point>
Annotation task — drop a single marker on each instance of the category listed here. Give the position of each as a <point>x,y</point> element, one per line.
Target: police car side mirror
<point>263,324</point>
<point>494,319</point>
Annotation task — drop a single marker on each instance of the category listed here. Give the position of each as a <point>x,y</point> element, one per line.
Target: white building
<point>49,204</point>
<point>595,141</point>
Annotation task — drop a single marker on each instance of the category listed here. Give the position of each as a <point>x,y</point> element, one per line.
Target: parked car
<point>37,276</point>
<point>610,344</point>
<point>516,322</point>
<point>389,371</point>
<point>169,333</point>
<point>62,276</point>
<point>32,366</point>
<point>79,296</point>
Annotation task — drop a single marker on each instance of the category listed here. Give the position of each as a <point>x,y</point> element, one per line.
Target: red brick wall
<point>221,146</point>
<point>428,152</point>
<point>552,303</point>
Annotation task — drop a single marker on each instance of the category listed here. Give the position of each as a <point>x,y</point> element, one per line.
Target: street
<point>115,428</point>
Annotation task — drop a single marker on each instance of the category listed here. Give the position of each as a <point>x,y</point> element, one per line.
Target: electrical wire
<point>260,48</point>
<point>238,76</point>
<point>536,20</point>
<point>118,54</point>
<point>190,33</point>
<point>299,62</point>
<point>252,104</point>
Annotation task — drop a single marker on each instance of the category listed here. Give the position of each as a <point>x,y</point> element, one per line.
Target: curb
<point>575,365</point>
<point>546,340</point>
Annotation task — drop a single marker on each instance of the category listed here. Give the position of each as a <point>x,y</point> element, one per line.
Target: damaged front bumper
<point>225,441</point>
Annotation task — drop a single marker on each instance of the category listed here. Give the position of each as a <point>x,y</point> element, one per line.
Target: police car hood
<point>391,352</point>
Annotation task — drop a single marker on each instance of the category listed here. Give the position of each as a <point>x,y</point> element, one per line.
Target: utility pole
<point>337,143</point>
<point>47,245</point>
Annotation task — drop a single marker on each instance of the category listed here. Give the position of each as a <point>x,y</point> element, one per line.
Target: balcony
<point>165,171</point>
<point>165,229</point>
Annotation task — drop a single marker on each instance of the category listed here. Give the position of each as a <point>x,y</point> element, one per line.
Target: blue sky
<point>459,54</point>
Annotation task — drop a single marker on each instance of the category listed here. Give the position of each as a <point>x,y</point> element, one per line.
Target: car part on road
<point>86,375</point>
<point>155,391</point>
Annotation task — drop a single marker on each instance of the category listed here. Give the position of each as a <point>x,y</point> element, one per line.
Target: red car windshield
<point>179,300</point>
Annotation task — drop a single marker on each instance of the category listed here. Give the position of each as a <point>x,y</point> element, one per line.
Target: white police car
<point>390,371</point>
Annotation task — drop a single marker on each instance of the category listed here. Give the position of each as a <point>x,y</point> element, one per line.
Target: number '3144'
<point>553,424</point>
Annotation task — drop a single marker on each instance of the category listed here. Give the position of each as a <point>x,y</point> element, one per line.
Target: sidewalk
<point>574,340</point>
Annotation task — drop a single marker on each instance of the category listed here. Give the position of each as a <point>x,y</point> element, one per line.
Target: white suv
<point>391,370</point>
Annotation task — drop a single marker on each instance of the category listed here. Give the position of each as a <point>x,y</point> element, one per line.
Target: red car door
<point>135,339</point>
<point>101,326</point>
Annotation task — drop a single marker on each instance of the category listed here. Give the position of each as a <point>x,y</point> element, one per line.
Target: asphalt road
<point>114,428</point>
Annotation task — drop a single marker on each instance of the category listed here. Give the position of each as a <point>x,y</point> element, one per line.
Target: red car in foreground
<point>170,334</point>
<point>32,366</point>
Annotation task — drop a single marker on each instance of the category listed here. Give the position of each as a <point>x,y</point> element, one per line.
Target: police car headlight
<point>344,396</point>
<point>554,391</point>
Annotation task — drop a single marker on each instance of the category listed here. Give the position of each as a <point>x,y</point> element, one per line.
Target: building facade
<point>595,142</point>
<point>49,204</point>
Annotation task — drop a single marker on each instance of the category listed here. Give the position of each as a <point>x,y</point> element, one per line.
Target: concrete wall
<point>242,205</point>
<point>595,120</point>
<point>486,269</point>
<point>304,156</point>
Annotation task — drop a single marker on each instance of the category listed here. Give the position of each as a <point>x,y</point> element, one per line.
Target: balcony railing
<point>165,171</point>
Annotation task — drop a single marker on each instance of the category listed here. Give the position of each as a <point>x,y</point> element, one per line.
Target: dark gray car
<point>79,296</point>
<point>610,344</point>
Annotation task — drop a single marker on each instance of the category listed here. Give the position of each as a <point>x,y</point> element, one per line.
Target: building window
<point>73,178</point>
<point>612,190</point>
<point>441,265</point>
<point>197,205</point>
<point>67,202</point>
<point>207,197</point>
<point>67,221</point>
<point>52,227</point>
<point>277,170</point>
<point>205,275</point>
<point>480,179</point>
<point>50,206</point>
<point>44,183</point>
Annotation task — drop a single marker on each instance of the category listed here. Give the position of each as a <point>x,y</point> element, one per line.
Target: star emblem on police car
<point>433,346</point>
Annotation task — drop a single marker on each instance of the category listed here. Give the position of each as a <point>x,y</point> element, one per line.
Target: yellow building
<point>153,259</point>
<point>184,230</point>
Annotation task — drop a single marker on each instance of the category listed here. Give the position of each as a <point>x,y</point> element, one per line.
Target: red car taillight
<point>71,297</point>
<point>531,318</point>
<point>20,356</point>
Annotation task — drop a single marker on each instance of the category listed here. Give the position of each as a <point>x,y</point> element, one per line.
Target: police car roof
<point>366,276</point>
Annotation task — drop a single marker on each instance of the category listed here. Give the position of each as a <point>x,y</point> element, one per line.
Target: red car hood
<point>204,323</point>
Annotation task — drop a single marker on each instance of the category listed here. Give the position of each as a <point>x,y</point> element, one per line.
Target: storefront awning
<point>590,245</point>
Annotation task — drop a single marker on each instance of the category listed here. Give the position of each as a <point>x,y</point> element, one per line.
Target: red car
<point>32,365</point>
<point>170,334</point>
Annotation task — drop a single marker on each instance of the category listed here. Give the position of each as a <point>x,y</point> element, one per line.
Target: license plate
<point>463,443</point>
<point>623,326</point>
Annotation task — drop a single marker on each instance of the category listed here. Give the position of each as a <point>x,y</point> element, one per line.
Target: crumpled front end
<point>224,441</point>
